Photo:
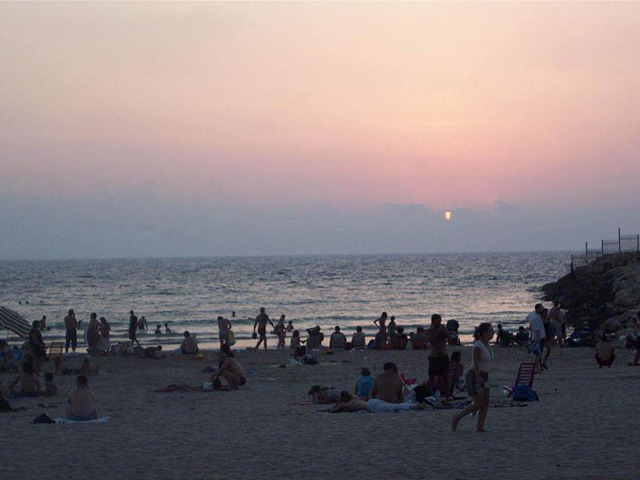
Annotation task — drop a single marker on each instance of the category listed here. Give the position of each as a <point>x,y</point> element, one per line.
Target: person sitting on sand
<point>349,403</point>
<point>81,402</point>
<point>231,371</point>
<point>323,395</point>
<point>50,388</point>
<point>359,339</point>
<point>315,338</point>
<point>337,340</point>
<point>604,352</point>
<point>189,345</point>
<point>29,382</point>
<point>158,330</point>
<point>388,385</point>
<point>295,340</point>
<point>401,339</point>
<point>522,337</point>
<point>303,356</point>
<point>364,384</point>
<point>88,369</point>
<point>419,339</point>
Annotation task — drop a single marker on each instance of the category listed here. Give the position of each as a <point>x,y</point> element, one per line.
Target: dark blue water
<point>190,293</point>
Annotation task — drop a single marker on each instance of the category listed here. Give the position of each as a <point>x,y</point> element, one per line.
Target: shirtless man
<point>133,328</point>
<point>224,325</point>
<point>71,328</point>
<point>231,371</point>
<point>438,336</point>
<point>388,385</point>
<point>261,322</point>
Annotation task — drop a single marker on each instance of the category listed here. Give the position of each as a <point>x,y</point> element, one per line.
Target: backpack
<point>524,393</point>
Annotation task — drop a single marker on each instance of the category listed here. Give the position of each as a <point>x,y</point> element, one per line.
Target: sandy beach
<point>582,427</point>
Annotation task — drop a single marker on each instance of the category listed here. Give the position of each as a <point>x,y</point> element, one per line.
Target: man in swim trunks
<point>261,322</point>
<point>133,328</point>
<point>231,371</point>
<point>71,331</point>
<point>438,337</point>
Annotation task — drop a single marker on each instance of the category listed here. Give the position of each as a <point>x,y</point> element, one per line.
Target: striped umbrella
<point>14,321</point>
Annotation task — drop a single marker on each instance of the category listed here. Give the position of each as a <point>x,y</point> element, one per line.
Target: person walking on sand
<point>224,326</point>
<point>537,335</point>
<point>133,328</point>
<point>477,378</point>
<point>71,331</point>
<point>438,336</point>
<point>261,322</point>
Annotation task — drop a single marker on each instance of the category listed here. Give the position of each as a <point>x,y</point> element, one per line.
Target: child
<point>158,331</point>
<point>295,339</point>
<point>364,384</point>
<point>50,388</point>
<point>456,370</point>
<point>81,407</point>
<point>88,369</point>
<point>604,352</point>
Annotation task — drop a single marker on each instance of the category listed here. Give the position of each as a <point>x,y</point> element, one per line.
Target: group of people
<point>389,390</point>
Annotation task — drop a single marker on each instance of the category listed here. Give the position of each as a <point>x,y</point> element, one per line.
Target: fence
<point>623,244</point>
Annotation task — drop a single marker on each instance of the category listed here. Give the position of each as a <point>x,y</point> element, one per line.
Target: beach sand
<point>584,426</point>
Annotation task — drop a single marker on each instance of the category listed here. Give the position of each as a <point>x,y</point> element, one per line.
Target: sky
<point>274,128</point>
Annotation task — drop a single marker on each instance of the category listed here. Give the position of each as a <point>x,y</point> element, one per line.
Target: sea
<point>349,291</point>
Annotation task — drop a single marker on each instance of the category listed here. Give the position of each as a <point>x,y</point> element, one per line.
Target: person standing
<point>43,323</point>
<point>381,336</point>
<point>224,326</point>
<point>133,328</point>
<point>71,331</point>
<point>105,333</point>
<point>37,346</point>
<point>392,333</point>
<point>537,334</point>
<point>281,330</point>
<point>93,332</point>
<point>261,322</point>
<point>477,378</point>
<point>438,336</point>
<point>558,322</point>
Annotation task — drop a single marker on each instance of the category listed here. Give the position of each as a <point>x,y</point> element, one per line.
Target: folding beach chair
<point>525,377</point>
<point>55,350</point>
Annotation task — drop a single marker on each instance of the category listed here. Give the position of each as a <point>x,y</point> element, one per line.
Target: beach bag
<point>232,337</point>
<point>524,393</point>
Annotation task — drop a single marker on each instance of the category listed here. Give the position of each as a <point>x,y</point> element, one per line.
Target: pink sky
<point>351,104</point>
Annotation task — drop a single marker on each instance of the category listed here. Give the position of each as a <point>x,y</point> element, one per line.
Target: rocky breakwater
<point>605,295</point>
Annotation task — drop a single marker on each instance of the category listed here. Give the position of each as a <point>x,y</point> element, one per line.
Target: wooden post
<point>586,256</point>
<point>602,247</point>
<point>638,243</point>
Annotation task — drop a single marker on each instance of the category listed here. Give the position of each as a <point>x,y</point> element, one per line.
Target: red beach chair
<point>525,377</point>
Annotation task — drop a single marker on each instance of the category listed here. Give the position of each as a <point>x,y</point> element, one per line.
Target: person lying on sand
<point>148,352</point>
<point>388,385</point>
<point>81,402</point>
<point>231,371</point>
<point>349,403</point>
<point>323,395</point>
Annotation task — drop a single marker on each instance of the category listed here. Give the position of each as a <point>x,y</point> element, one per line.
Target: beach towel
<point>60,420</point>
<point>378,406</point>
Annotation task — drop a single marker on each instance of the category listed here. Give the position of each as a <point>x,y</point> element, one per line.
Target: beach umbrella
<point>14,321</point>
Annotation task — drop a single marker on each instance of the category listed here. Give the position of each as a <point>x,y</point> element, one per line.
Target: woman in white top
<point>477,378</point>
